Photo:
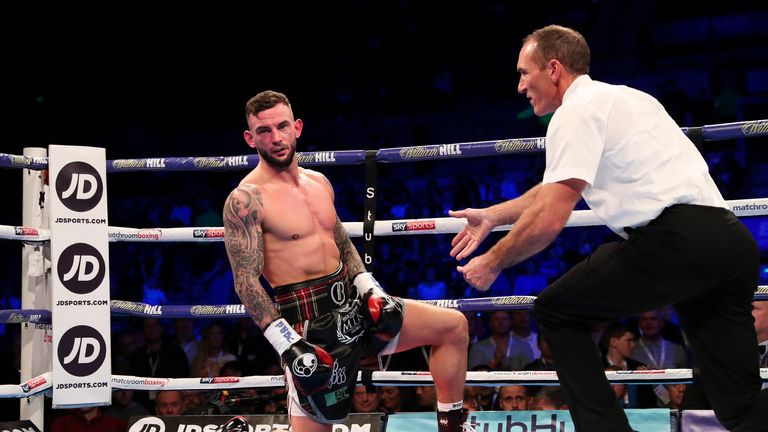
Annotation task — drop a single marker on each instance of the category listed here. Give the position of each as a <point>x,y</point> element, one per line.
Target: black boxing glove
<point>382,314</point>
<point>311,366</point>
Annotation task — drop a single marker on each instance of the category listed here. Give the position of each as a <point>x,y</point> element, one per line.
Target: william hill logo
<point>316,157</point>
<point>420,225</point>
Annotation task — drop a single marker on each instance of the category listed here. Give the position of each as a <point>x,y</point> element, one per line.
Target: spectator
<point>430,288</point>
<point>426,398</point>
<point>156,358</point>
<point>87,419</point>
<point>500,351</point>
<point>514,398</point>
<point>521,329</point>
<point>760,312</point>
<point>124,407</point>
<point>169,403</point>
<point>676,392</point>
<point>549,398</point>
<point>185,337</point>
<point>365,401</point>
<point>212,354</point>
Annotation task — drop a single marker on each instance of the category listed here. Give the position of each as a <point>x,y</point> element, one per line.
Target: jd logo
<point>81,350</point>
<point>148,424</point>
<point>81,268</point>
<point>79,186</point>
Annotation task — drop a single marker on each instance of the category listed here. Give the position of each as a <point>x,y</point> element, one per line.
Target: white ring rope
<point>443,225</point>
<point>43,382</point>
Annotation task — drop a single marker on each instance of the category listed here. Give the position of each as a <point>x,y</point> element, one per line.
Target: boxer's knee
<point>459,327</point>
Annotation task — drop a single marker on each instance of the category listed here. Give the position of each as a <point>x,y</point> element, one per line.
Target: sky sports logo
<point>419,225</point>
<point>208,233</point>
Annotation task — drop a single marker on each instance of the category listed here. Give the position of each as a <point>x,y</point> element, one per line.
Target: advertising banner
<point>259,423</point>
<point>79,261</point>
<point>642,420</point>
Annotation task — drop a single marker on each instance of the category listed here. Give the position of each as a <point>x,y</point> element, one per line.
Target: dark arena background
<point>149,83</point>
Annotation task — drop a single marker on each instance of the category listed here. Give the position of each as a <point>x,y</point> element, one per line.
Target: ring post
<point>35,287</point>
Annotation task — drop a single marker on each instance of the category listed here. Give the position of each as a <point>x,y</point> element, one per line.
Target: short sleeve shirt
<point>633,156</point>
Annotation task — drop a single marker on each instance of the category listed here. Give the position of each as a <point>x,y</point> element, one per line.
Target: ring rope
<point>716,132</point>
<point>442,225</point>
<point>43,382</point>
<point>122,307</point>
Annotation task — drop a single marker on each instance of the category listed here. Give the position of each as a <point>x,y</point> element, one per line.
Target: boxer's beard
<point>275,162</point>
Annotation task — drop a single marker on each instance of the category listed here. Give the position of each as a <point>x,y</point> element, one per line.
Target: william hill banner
<point>80,256</point>
<point>259,423</point>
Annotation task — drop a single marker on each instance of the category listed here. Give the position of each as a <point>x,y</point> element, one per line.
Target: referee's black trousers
<point>700,259</point>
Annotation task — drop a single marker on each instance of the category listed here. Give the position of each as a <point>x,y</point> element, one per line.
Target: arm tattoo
<point>244,241</point>
<point>347,251</point>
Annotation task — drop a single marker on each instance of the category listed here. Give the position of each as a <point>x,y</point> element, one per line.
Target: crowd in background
<point>368,105</point>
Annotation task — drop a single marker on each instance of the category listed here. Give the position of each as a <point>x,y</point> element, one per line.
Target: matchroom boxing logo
<point>81,350</point>
<point>79,186</point>
<point>81,268</point>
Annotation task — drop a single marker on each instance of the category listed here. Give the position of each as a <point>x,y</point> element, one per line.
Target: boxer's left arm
<point>347,251</point>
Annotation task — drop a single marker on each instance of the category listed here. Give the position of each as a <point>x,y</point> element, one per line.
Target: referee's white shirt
<point>635,158</point>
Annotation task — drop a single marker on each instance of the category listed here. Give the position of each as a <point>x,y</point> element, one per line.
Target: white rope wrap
<point>443,225</point>
<point>43,382</point>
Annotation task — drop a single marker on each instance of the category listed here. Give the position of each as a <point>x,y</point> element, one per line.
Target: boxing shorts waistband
<point>313,298</point>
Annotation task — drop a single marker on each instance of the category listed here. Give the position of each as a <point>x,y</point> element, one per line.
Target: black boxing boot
<point>454,421</point>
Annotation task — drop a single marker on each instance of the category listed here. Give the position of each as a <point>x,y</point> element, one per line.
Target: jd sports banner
<point>642,420</point>
<point>259,423</point>
<point>79,253</point>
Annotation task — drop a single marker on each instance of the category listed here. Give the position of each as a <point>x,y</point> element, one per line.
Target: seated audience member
<point>545,362</point>
<point>676,392</point>
<point>231,369</point>
<point>514,398</point>
<point>169,403</point>
<point>618,345</point>
<point>123,405</point>
<point>426,398</point>
<point>501,350</point>
<point>486,395</point>
<point>549,398</point>
<point>760,312</point>
<point>470,399</point>
<point>212,354</point>
<point>193,401</point>
<point>392,399</point>
<point>364,401</point>
<point>88,419</point>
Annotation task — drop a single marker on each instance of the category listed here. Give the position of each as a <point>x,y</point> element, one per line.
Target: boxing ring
<point>37,237</point>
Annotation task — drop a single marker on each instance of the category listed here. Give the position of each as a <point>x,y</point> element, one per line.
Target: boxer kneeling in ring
<point>280,222</point>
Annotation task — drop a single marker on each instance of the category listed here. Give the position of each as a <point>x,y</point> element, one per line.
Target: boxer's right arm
<point>311,366</point>
<point>244,241</point>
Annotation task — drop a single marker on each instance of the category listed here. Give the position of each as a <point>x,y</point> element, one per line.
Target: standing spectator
<point>185,337</point>
<point>521,329</point>
<point>156,358</point>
